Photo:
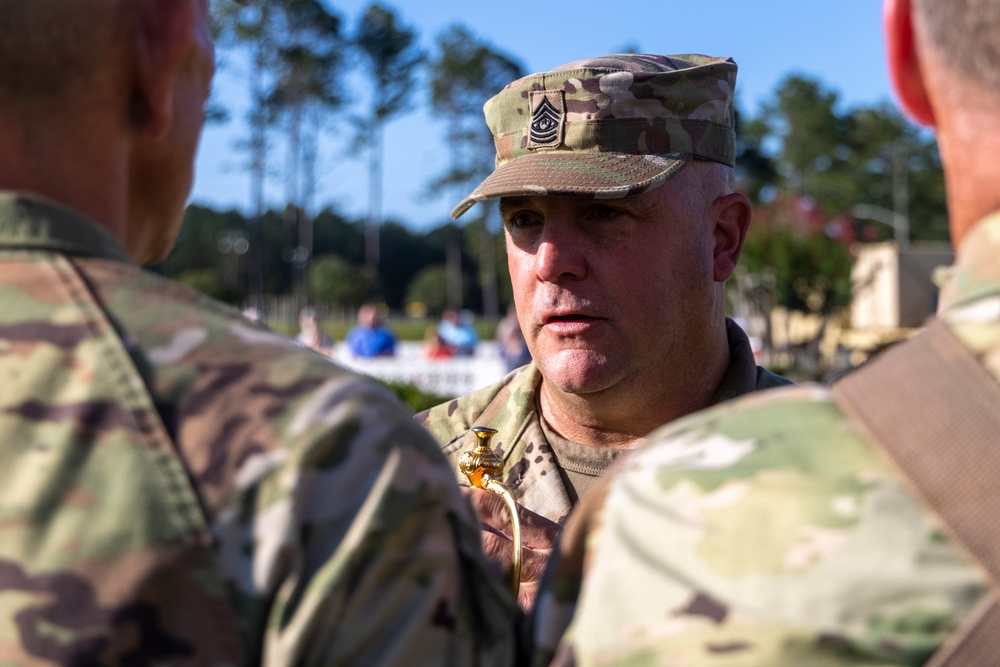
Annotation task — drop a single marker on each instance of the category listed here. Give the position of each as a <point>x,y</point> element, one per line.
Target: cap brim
<point>568,174</point>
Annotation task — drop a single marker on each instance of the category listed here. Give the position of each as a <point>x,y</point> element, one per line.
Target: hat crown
<point>643,62</point>
<point>610,126</point>
<point>635,104</point>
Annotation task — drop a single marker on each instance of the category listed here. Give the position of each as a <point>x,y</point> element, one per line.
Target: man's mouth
<point>569,323</point>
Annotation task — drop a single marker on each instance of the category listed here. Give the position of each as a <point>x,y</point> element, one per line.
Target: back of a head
<point>966,36</point>
<point>52,49</point>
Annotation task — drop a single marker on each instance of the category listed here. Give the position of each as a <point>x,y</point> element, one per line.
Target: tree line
<point>300,53</point>
<point>212,255</point>
<point>822,177</point>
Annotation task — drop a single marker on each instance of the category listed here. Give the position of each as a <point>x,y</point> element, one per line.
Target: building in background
<point>894,289</point>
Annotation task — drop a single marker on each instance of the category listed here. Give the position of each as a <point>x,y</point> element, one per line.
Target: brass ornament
<point>484,470</point>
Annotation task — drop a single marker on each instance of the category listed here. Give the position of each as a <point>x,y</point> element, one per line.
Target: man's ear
<point>732,220</point>
<point>904,61</point>
<point>162,33</point>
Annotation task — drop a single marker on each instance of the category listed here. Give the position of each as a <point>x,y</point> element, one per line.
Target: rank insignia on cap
<point>548,112</point>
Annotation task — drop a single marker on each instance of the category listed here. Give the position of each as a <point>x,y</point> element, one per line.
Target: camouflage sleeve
<point>559,591</point>
<point>175,481</point>
<point>337,525</point>
<point>763,532</point>
<point>353,546</point>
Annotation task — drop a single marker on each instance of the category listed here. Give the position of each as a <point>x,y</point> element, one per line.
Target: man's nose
<point>561,254</point>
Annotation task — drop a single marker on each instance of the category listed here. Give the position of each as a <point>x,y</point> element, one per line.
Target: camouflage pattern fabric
<point>179,486</point>
<point>608,127</point>
<point>770,531</point>
<point>531,471</point>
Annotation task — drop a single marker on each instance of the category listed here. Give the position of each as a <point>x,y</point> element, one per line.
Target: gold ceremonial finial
<point>484,470</point>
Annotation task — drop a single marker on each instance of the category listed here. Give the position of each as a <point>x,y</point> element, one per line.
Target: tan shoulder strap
<point>935,411</point>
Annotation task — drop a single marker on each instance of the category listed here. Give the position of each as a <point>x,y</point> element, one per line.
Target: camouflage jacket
<point>770,531</point>
<point>531,471</point>
<point>178,486</point>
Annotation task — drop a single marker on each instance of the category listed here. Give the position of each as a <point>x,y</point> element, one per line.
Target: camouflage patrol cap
<point>608,127</point>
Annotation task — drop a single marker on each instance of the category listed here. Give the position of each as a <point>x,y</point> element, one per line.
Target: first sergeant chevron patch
<point>548,113</point>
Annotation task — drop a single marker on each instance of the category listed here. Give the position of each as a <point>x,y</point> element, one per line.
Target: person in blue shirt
<point>369,338</point>
<point>457,330</point>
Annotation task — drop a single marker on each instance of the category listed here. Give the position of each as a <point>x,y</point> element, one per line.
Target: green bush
<point>208,282</point>
<point>333,282</point>
<point>430,287</point>
<point>416,399</point>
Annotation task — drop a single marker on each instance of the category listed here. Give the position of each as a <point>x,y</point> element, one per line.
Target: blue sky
<point>838,42</point>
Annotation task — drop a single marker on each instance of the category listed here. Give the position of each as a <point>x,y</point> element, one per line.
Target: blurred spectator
<point>434,345</point>
<point>311,334</point>
<point>369,338</point>
<point>510,341</point>
<point>252,314</point>
<point>457,330</point>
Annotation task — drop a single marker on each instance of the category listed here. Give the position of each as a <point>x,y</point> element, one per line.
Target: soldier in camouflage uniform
<point>775,530</point>
<point>177,485</point>
<point>615,180</point>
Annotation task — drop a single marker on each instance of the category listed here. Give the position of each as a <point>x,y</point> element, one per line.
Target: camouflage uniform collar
<point>976,273</point>
<point>512,417</point>
<point>741,376</point>
<point>29,222</point>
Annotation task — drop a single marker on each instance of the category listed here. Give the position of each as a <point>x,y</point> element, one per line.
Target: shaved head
<point>53,49</point>
<point>717,179</point>
<point>101,106</point>
<point>966,36</point>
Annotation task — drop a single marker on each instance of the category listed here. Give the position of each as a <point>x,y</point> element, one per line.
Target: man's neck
<point>78,169</point>
<point>620,417</point>
<point>971,184</point>
<point>968,134</point>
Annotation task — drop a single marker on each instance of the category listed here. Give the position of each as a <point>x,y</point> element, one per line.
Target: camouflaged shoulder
<point>226,386</point>
<point>103,536</point>
<point>767,530</point>
<point>242,499</point>
<point>316,451</point>
<point>449,423</point>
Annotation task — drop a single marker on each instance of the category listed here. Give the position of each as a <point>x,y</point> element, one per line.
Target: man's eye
<point>604,212</point>
<point>518,220</point>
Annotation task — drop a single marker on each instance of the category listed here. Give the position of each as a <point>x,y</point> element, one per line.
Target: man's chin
<point>578,372</point>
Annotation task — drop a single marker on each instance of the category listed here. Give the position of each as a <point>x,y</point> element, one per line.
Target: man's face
<point>612,291</point>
